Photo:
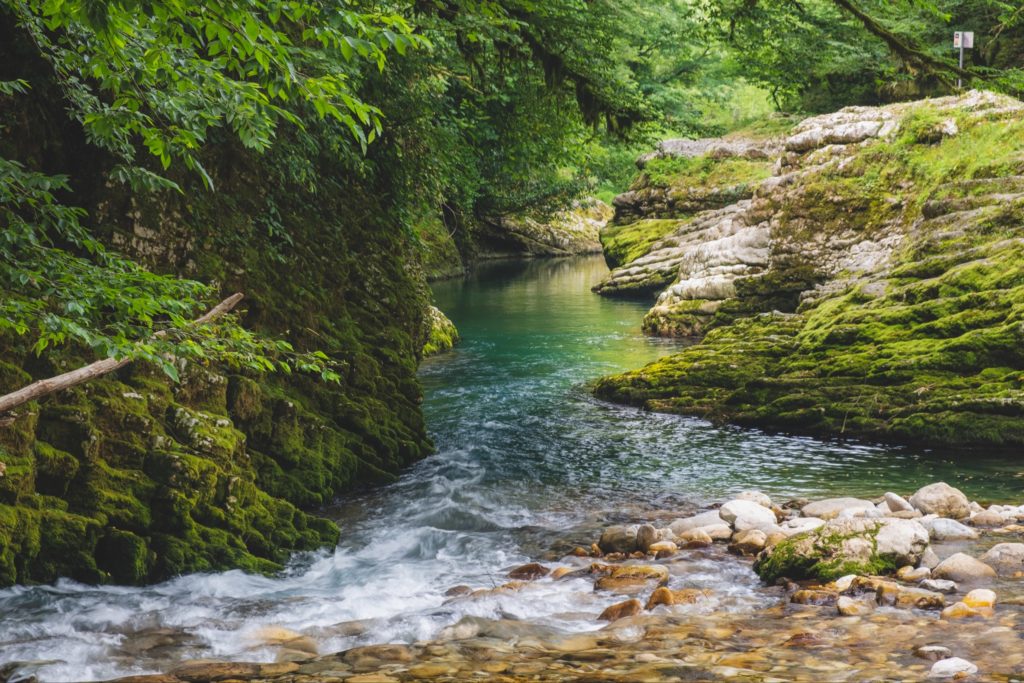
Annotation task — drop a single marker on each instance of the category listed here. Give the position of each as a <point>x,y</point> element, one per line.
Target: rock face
<point>845,546</point>
<point>862,289</point>
<point>569,232</point>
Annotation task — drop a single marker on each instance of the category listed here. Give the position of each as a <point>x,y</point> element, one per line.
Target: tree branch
<point>51,385</point>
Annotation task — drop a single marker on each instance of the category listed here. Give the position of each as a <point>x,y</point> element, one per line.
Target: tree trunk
<point>51,385</point>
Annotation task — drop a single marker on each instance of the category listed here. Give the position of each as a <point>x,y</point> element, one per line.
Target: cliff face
<point>872,286</point>
<point>133,478</point>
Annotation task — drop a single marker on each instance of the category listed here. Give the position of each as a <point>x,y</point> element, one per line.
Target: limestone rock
<point>745,514</point>
<point>943,500</point>
<point>704,519</point>
<point>942,529</point>
<point>951,668</point>
<point>1006,558</point>
<point>832,507</point>
<point>963,569</point>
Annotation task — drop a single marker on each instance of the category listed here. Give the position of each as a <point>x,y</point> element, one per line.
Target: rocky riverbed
<point>924,586</point>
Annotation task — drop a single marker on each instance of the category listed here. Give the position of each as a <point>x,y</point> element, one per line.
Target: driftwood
<point>51,385</point>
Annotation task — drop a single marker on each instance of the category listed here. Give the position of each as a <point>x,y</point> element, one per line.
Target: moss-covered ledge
<point>923,345</point>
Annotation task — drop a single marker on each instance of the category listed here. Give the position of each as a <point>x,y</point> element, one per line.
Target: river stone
<point>1006,558</point>
<point>620,610</point>
<point>709,518</point>
<point>748,542</point>
<point>940,585</point>
<point>933,652</point>
<point>913,574</point>
<point>980,597</point>
<point>646,534</point>
<point>792,527</point>
<point>845,546</point>
<point>745,514</point>
<point>943,500</point>
<point>755,497</point>
<point>833,507</point>
<point>951,668</point>
<point>619,539</point>
<point>716,532</point>
<point>942,529</point>
<point>963,569</point>
<point>897,503</point>
<point>919,598</point>
<point>987,518</point>
<point>697,538</point>
<point>852,607</point>
<point>929,559</point>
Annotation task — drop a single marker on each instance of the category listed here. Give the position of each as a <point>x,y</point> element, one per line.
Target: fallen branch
<point>51,385</point>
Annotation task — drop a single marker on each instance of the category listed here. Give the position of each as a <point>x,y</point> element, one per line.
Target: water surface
<point>529,464</point>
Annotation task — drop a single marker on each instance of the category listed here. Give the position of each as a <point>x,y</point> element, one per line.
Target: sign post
<point>962,40</point>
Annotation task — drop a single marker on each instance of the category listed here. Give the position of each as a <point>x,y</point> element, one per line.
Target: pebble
<point>667,596</point>
<point>952,667</point>
<point>748,542</point>
<point>913,574</point>
<point>959,610</point>
<point>897,503</point>
<point>696,538</point>
<point>940,585</point>
<point>980,597</point>
<point>814,596</point>
<point>851,607</point>
<point>933,652</point>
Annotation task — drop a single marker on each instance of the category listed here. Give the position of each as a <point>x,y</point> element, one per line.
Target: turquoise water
<point>529,465</point>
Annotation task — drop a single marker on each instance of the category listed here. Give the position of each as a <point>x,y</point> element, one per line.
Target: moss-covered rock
<point>893,285</point>
<point>442,336</point>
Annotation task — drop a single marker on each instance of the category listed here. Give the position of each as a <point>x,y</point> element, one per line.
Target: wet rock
<point>755,497</point>
<point>704,519</point>
<point>696,538</point>
<point>620,610</point>
<point>745,514</point>
<point>278,636</point>
<point>716,532</point>
<point>843,583</point>
<point>663,548</point>
<point>432,670</point>
<point>943,500</point>
<point>987,518</point>
<point>933,652</point>
<point>832,507</point>
<point>562,572</point>
<point>897,503</point>
<point>963,569</point>
<point>791,527</point>
<point>845,546</point>
<point>646,534</point>
<point>529,572</point>
<point>942,529</point>
<point>980,597</point>
<point>619,539</point>
<point>960,610</point>
<point>372,655</point>
<point>814,596</point>
<point>685,596</point>
<point>749,542</point>
<point>632,578</point>
<point>458,591</point>
<point>913,574</point>
<point>918,598</point>
<point>929,559</point>
<point>852,607</point>
<point>1006,558</point>
<point>774,538</point>
<point>940,585</point>
<point>952,668</point>
<point>198,671</point>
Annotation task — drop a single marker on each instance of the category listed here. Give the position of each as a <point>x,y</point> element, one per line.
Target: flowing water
<point>528,466</point>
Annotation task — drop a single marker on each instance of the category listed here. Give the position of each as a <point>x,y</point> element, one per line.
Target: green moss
<point>442,336</point>
<point>624,244</point>
<point>705,171</point>
<point>819,555</point>
<point>439,253</point>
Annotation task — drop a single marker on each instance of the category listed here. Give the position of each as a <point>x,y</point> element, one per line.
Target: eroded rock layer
<point>872,286</point>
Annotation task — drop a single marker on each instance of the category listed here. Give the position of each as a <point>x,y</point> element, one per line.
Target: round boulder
<point>943,500</point>
<point>963,569</point>
<point>619,539</point>
<point>1006,558</point>
<point>745,514</point>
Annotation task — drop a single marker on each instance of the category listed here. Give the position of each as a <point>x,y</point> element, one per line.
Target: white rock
<point>948,668</point>
<point>904,539</point>
<point>717,532</point>
<point>800,524</point>
<point>884,508</point>
<point>943,500</point>
<point>1006,558</point>
<point>963,568</point>
<point>897,503</point>
<point>755,497</point>
<point>843,583</point>
<point>942,529</point>
<point>708,518</point>
<point>832,507</point>
<point>744,514</point>
<point>940,585</point>
<point>929,559</point>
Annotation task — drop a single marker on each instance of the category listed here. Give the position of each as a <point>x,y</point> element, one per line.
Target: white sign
<point>963,40</point>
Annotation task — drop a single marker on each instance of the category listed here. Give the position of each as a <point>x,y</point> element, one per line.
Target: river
<point>528,466</point>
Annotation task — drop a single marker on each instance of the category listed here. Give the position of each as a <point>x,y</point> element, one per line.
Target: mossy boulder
<point>442,335</point>
<point>865,547</point>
